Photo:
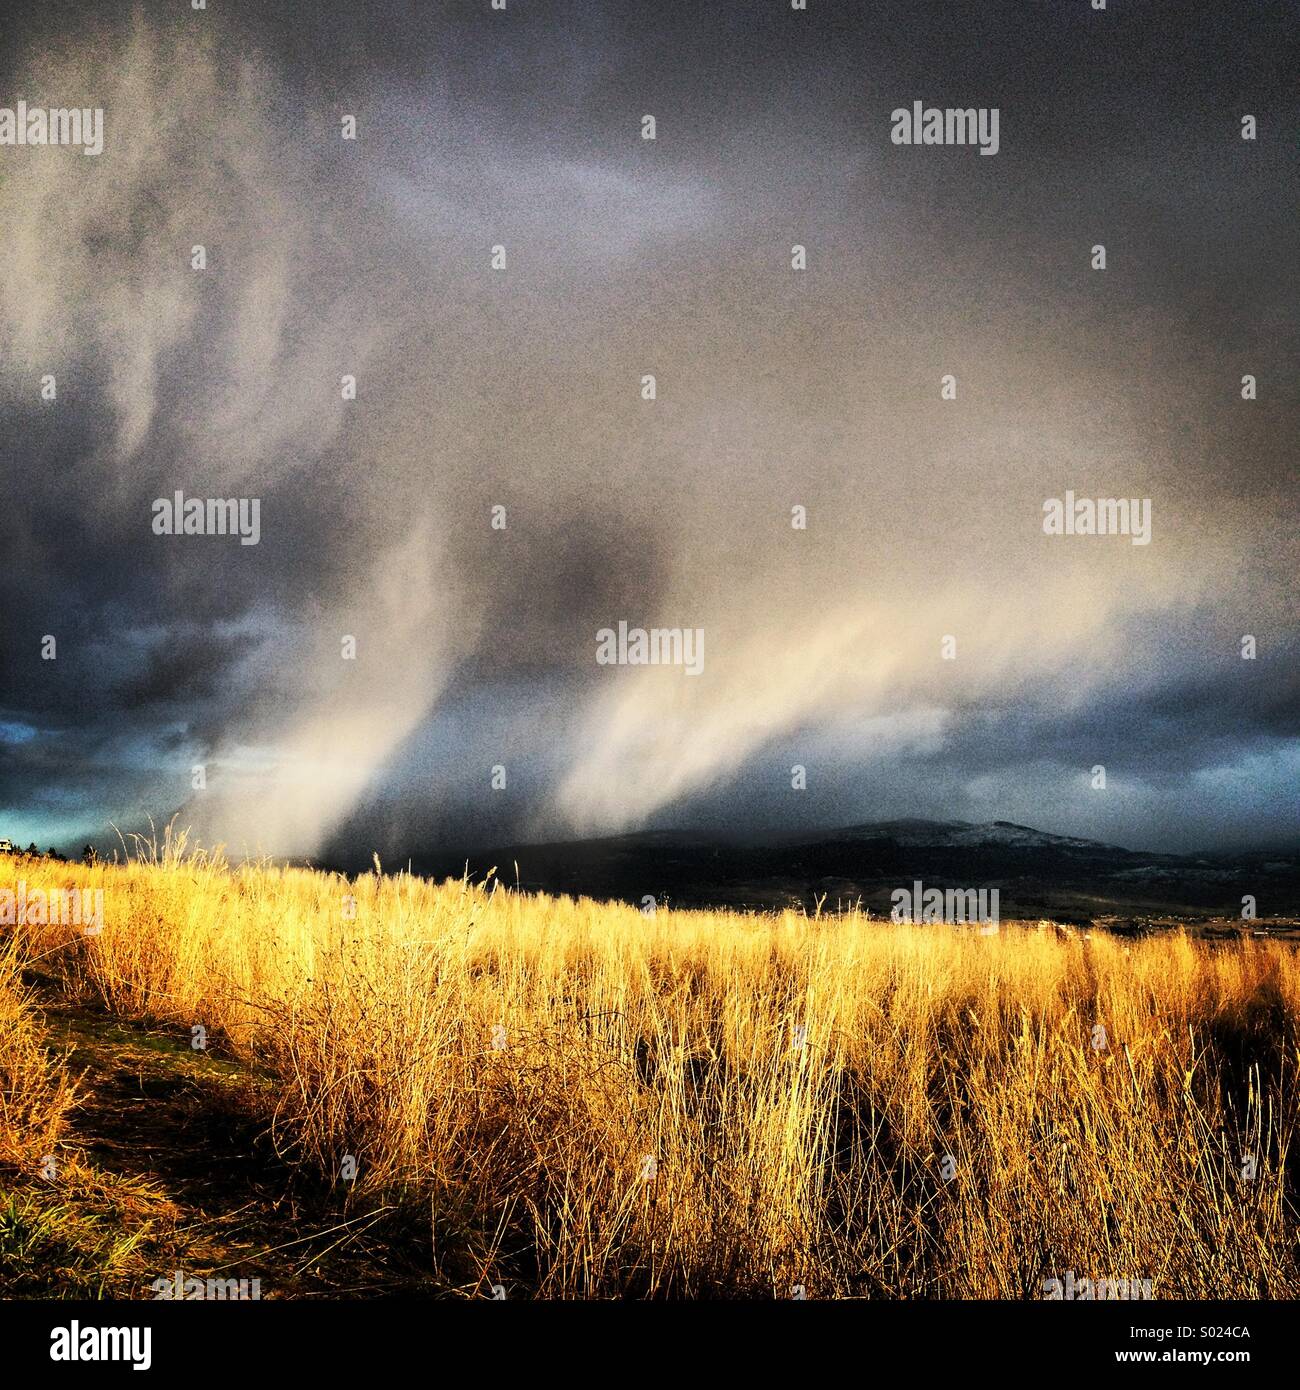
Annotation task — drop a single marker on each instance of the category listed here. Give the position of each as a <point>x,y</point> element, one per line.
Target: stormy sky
<point>521,388</point>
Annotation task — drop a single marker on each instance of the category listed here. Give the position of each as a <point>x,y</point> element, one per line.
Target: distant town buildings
<point>8,847</point>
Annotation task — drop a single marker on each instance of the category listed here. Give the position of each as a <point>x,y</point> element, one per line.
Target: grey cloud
<point>775,389</point>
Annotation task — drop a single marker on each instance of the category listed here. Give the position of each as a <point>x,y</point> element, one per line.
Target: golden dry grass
<point>580,1100</point>
<point>35,1092</point>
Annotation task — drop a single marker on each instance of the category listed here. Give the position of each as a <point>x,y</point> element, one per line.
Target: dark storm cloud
<point>1199,766</point>
<point>187,666</point>
<point>475,648</point>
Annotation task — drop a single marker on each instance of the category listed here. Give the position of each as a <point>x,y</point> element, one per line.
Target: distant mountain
<point>962,834</point>
<point>1037,873</point>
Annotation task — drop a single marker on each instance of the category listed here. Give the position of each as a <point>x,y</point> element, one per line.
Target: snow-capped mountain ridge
<point>966,834</point>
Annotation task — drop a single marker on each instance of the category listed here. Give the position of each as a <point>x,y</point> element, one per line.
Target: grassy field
<point>574,1099</point>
